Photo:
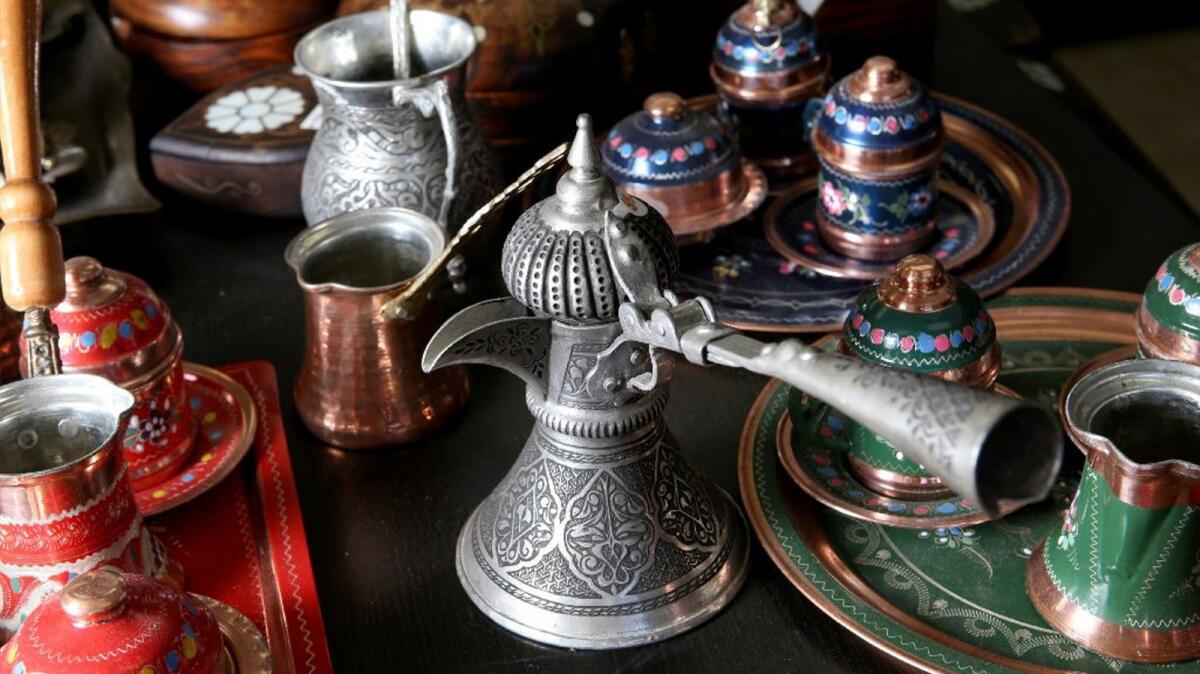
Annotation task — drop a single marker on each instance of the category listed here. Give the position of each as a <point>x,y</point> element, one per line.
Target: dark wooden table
<point>382,525</point>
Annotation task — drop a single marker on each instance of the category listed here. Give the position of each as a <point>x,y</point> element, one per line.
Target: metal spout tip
<point>1020,458</point>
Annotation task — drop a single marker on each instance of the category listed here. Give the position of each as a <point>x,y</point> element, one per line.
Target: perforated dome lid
<point>554,260</point>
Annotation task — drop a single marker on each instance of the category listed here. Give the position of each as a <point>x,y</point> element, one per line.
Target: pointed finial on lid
<point>583,157</point>
<point>585,191</point>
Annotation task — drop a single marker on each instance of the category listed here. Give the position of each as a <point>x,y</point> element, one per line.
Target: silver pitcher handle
<point>436,96</point>
<point>445,108</point>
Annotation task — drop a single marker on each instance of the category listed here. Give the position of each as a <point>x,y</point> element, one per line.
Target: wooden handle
<point>31,259</point>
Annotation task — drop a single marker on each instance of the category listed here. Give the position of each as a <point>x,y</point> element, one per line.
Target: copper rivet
<point>93,596</point>
<point>665,105</point>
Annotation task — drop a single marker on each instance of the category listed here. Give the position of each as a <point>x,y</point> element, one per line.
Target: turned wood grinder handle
<point>31,258</point>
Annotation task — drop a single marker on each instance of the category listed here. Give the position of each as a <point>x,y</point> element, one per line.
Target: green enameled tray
<point>952,599</point>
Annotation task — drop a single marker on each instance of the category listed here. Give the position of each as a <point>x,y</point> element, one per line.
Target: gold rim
<point>801,513</point>
<point>245,646</point>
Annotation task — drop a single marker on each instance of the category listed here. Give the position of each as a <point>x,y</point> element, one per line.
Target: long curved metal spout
<point>985,446</point>
<point>498,332</point>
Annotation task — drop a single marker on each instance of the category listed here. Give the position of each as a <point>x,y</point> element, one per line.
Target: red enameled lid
<point>111,323</point>
<point>104,621</point>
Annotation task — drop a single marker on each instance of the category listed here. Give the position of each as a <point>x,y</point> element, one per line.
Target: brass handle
<point>31,259</point>
<point>408,302</point>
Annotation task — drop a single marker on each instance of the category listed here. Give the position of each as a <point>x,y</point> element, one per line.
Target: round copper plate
<point>753,287</point>
<point>1045,334</point>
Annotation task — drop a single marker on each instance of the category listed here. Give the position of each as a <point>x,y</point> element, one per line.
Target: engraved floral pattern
<point>525,524</point>
<point>684,509</point>
<point>608,535</point>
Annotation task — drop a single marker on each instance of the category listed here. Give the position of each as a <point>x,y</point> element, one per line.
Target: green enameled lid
<point>921,319</point>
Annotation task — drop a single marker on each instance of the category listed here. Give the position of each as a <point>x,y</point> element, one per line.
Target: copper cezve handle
<point>31,258</point>
<point>411,299</point>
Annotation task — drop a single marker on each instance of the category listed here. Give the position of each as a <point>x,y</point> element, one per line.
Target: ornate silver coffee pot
<point>603,535</point>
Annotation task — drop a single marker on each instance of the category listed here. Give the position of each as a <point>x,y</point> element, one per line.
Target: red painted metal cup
<point>113,325</point>
<point>66,506</point>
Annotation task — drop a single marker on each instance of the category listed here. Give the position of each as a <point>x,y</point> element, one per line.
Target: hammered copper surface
<point>361,384</point>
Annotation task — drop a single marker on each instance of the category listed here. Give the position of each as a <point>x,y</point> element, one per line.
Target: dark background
<point>382,525</point>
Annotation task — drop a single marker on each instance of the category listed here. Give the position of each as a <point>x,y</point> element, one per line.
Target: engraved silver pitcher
<point>394,142</point>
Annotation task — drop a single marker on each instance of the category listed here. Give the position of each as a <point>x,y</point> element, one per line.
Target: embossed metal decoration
<point>603,535</point>
<point>389,142</point>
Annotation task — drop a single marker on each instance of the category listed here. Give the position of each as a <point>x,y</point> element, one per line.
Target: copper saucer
<point>966,225</point>
<point>246,650</point>
<point>816,460</point>
<point>700,227</point>
<point>225,424</point>
<point>947,599</point>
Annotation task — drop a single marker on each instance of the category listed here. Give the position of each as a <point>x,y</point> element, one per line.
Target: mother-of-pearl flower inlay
<point>254,110</point>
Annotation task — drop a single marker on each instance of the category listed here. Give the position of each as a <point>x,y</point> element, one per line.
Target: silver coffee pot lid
<point>554,259</point>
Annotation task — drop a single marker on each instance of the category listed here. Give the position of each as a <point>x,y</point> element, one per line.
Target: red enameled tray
<point>243,541</point>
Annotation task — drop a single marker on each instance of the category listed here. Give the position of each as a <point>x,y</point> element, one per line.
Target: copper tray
<point>754,287</point>
<point>944,600</point>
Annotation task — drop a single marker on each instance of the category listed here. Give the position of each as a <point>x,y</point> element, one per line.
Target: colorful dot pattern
<point>820,453</point>
<point>220,430</point>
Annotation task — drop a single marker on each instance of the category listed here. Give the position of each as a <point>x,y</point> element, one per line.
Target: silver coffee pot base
<point>637,619</point>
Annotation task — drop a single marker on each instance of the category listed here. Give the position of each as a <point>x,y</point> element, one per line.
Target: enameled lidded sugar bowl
<point>918,319</point>
<point>879,138</point>
<point>113,325</point>
<point>685,164</point>
<point>767,63</point>
<point>115,623</point>
<point>1168,320</point>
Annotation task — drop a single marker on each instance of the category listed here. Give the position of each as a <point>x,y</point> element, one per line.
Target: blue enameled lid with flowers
<point>767,36</point>
<point>879,107</point>
<point>667,144</point>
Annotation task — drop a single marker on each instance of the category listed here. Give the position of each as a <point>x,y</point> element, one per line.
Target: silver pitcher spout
<point>603,535</point>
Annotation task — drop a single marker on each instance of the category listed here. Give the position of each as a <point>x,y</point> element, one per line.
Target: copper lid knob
<point>763,11</point>
<point>94,597</point>
<point>918,285</point>
<point>89,285</point>
<point>665,105</point>
<point>878,81</point>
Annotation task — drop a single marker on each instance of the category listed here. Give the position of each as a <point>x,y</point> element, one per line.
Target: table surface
<point>382,525</point>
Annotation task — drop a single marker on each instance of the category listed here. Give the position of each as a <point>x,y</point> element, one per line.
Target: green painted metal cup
<point>918,319</point>
<point>1122,576</point>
